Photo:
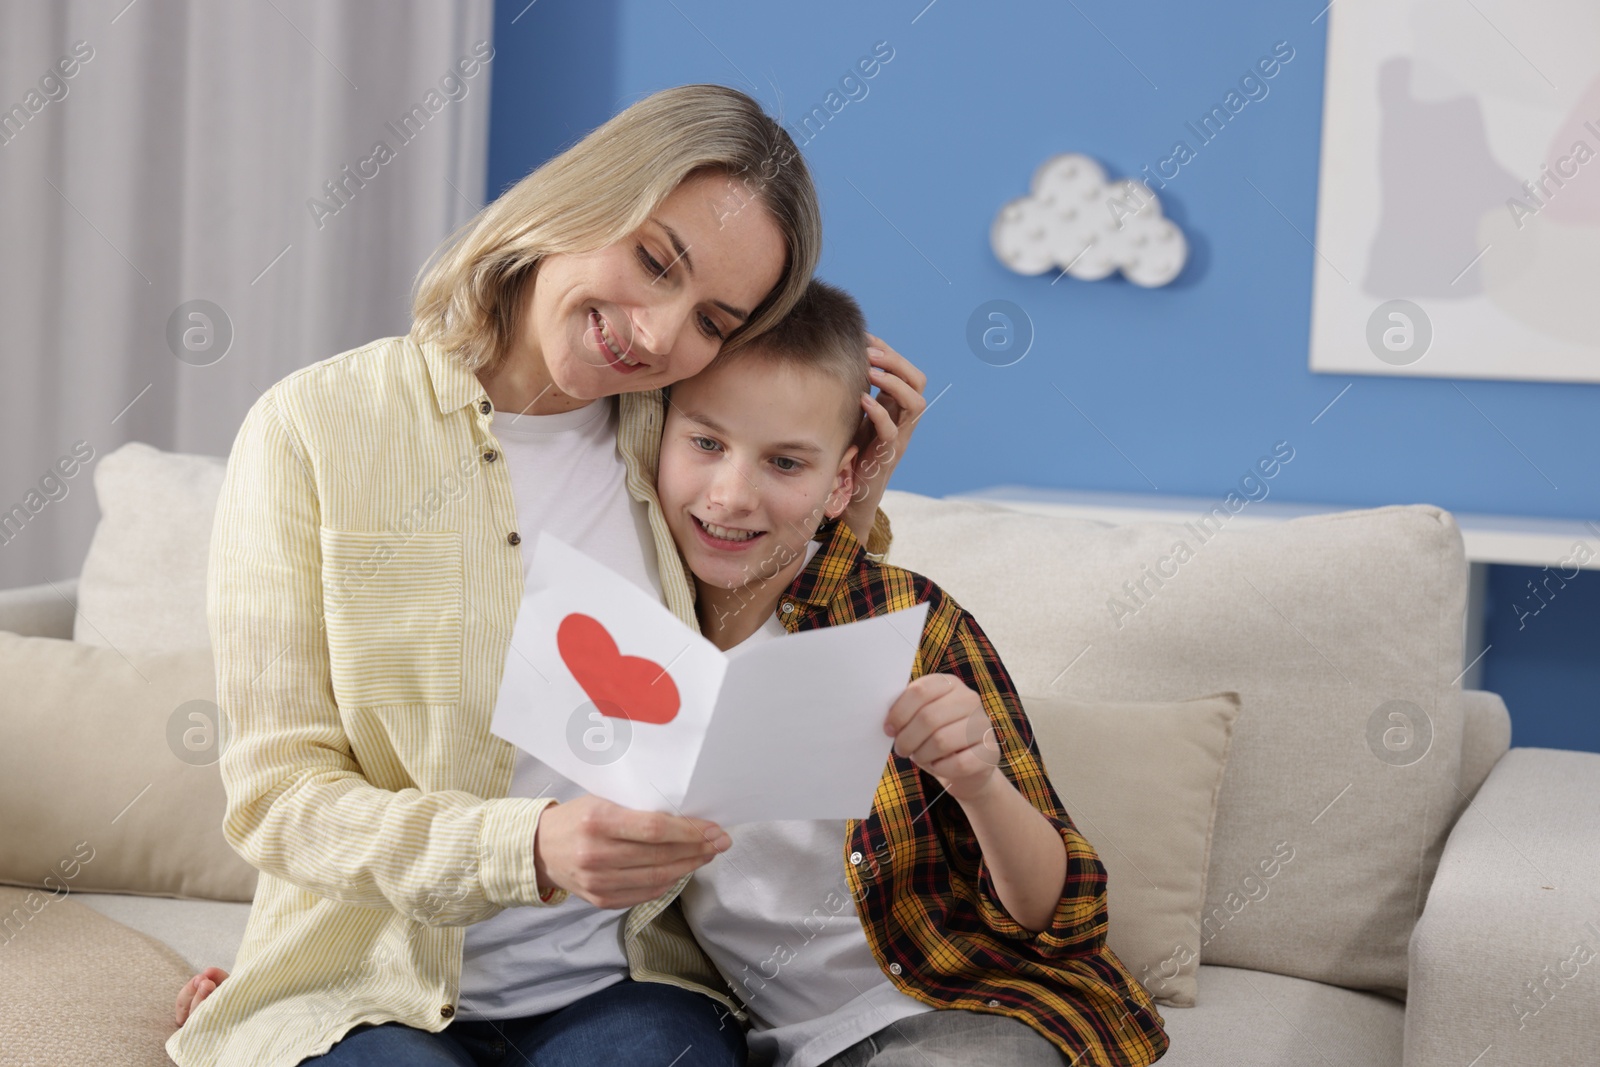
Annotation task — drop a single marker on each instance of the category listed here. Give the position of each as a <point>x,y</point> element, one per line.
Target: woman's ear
<point>844,485</point>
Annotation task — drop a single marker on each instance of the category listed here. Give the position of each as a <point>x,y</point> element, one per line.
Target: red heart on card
<point>623,687</point>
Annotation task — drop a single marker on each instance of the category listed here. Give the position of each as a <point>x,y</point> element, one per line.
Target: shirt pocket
<point>392,608</point>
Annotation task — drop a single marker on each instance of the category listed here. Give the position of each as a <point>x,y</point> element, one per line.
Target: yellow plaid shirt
<point>364,580</point>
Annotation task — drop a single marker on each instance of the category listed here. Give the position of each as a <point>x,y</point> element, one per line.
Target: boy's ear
<point>844,485</point>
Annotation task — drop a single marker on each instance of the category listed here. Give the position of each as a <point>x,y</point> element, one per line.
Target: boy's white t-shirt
<point>568,478</point>
<point>776,915</point>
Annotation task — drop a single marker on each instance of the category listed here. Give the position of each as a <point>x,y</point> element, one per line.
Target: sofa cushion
<point>1140,782</point>
<point>1258,1019</point>
<point>109,777</point>
<point>1342,635</point>
<point>206,933</point>
<point>81,988</point>
<point>143,585</point>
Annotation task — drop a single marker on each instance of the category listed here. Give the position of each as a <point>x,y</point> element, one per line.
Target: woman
<point>419,874</point>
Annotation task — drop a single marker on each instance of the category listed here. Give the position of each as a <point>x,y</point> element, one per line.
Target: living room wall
<point>1173,390</point>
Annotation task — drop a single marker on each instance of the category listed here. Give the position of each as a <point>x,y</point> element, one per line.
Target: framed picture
<point>1458,218</point>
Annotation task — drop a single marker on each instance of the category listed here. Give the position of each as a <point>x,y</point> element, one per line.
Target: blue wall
<point>1191,382</point>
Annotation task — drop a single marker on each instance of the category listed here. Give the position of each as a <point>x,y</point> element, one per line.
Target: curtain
<point>195,200</point>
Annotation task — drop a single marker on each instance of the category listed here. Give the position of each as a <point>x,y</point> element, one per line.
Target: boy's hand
<point>885,432</point>
<point>939,724</point>
<point>197,989</point>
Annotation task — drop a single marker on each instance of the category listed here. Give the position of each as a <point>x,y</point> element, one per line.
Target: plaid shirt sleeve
<point>925,897</point>
<point>1079,922</point>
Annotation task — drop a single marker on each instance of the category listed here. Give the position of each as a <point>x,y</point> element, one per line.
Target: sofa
<point>1319,848</point>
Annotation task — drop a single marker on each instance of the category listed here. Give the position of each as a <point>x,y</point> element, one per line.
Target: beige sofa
<point>1335,856</point>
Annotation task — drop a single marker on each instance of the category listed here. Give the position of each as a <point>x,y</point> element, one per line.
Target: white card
<point>610,689</point>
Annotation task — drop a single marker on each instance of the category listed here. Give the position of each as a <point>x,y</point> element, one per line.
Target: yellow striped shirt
<point>364,580</point>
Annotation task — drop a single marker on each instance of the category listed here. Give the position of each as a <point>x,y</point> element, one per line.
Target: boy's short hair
<point>825,331</point>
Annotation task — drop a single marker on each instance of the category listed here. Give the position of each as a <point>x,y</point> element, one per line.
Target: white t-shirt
<point>776,915</point>
<point>567,478</point>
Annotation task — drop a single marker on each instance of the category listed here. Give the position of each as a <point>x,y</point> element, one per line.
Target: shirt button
<point>894,968</point>
<point>489,456</point>
<point>994,1003</point>
<point>447,1011</point>
<point>484,406</point>
<point>855,858</point>
<point>514,538</point>
<point>787,609</point>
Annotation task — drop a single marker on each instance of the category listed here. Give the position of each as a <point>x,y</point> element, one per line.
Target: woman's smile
<point>603,339</point>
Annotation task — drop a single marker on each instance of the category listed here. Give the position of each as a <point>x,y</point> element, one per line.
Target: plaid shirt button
<point>855,858</point>
<point>994,1003</point>
<point>894,968</point>
<point>787,608</point>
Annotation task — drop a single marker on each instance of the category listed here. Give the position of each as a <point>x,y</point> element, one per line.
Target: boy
<point>964,920</point>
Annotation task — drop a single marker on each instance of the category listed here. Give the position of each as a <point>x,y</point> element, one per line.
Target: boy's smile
<point>725,538</point>
<point>755,455</point>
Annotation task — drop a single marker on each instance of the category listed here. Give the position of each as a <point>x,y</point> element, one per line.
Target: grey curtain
<point>198,198</point>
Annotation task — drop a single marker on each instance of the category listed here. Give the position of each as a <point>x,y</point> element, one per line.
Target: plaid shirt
<point>926,899</point>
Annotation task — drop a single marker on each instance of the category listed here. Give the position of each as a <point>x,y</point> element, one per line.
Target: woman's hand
<point>891,416</point>
<point>939,724</point>
<point>197,989</point>
<point>615,857</point>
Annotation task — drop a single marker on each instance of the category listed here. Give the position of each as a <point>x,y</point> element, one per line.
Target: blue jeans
<point>641,1024</point>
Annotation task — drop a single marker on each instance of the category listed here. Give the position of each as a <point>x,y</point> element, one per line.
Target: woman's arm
<point>940,724</point>
<point>891,416</point>
<point>298,805</point>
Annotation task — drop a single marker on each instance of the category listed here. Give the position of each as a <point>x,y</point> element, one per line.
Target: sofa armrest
<point>1507,951</point>
<point>40,610</point>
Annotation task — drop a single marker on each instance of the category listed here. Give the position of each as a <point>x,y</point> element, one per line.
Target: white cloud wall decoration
<point>1077,222</point>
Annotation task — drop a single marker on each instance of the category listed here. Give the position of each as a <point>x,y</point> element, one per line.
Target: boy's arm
<point>1023,852</point>
<point>993,838</point>
<point>940,724</point>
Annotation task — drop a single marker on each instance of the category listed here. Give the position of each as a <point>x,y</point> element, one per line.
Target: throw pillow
<point>109,778</point>
<point>1140,782</point>
<point>143,585</point>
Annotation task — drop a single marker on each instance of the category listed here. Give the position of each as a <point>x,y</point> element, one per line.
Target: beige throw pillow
<point>109,779</point>
<point>1140,782</point>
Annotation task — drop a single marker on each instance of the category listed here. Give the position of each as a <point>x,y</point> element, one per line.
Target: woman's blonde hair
<point>602,189</point>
